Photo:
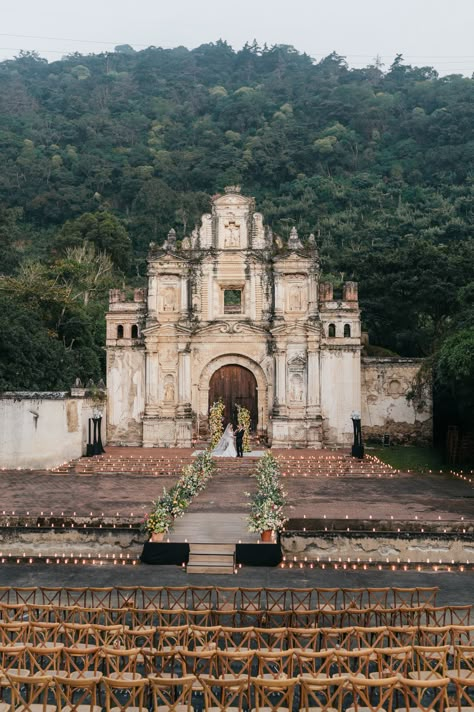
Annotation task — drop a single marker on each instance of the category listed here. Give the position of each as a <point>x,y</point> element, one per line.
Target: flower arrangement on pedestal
<point>216,416</point>
<point>243,418</point>
<point>174,502</point>
<point>267,504</point>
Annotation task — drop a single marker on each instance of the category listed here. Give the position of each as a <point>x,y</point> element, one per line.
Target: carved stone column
<point>279,296</point>
<point>313,401</point>
<point>184,297</point>
<point>280,407</point>
<point>151,377</point>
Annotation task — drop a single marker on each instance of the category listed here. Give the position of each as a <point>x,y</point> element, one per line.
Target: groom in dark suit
<point>239,440</point>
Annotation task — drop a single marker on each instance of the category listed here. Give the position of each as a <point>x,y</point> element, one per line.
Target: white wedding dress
<point>226,445</point>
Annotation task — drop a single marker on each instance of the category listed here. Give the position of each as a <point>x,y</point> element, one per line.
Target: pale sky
<point>438,33</point>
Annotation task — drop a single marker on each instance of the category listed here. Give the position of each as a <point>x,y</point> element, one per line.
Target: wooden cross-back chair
<point>464,698</point>
<point>275,665</point>
<point>423,695</point>
<point>401,635</point>
<point>121,663</point>
<point>234,665</point>
<point>151,597</point>
<point>12,660</point>
<point>370,637</point>
<point>202,597</point>
<point>201,617</point>
<point>353,663</point>
<point>172,617</point>
<point>372,695</point>
<point>273,695</point>
<point>82,662</point>
<point>463,663</point>
<point>392,662</point>
<point>267,639</point>
<point>77,694</point>
<point>198,663</point>
<point>175,597</point>
<point>123,597</point>
<point>223,695</point>
<point>51,595</point>
<point>301,600</point>
<point>26,595</point>
<point>322,695</point>
<point>426,595</point>
<point>172,695</point>
<point>237,638</point>
<point>204,637</point>
<point>335,638</point>
<point>97,596</point>
<point>14,632</point>
<point>328,599</point>
<point>30,694</point>
<point>45,660</point>
<point>304,638</point>
<point>164,663</point>
<point>77,596</point>
<point>314,664</point>
<point>171,637</point>
<point>125,695</point>
<point>353,598</point>
<point>430,662</point>
<point>44,633</point>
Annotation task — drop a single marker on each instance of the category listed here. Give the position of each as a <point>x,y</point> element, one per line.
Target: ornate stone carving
<point>170,299</point>
<point>170,242</point>
<point>232,234</point>
<point>169,389</point>
<point>205,233</point>
<point>294,242</point>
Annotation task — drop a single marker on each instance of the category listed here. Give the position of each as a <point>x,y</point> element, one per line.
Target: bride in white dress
<point>226,445</point>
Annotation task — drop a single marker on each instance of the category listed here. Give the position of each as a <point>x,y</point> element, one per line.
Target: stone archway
<point>247,363</point>
<point>235,386</point>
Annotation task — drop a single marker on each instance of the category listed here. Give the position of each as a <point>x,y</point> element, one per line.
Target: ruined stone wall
<point>125,395</point>
<point>394,402</point>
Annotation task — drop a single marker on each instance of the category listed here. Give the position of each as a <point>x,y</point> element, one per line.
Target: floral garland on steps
<point>243,418</point>
<point>216,415</point>
<point>174,502</point>
<point>266,505</point>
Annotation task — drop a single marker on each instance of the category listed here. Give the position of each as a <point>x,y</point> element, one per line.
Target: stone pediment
<point>165,259</point>
<point>167,329</point>
<point>223,327</point>
<point>298,328</point>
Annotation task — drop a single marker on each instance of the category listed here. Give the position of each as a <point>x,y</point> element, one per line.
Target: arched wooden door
<point>235,385</point>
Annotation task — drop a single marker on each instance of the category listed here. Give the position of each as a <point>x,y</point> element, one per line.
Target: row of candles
<point>347,565</point>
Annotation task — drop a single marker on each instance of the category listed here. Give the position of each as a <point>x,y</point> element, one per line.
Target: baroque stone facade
<point>233,296</point>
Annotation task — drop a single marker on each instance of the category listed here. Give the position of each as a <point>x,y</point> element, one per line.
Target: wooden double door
<point>235,385</point>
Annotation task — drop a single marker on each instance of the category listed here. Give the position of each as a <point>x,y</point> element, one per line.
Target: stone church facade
<point>233,312</point>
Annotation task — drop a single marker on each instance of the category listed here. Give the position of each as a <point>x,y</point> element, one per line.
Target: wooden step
<point>209,569</point>
<point>227,559</point>
<point>223,549</point>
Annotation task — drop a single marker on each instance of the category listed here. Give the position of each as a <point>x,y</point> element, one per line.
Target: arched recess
<point>235,385</point>
<point>237,360</point>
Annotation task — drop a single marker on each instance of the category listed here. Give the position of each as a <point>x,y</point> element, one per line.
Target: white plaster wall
<point>53,437</point>
<point>125,395</point>
<point>340,394</point>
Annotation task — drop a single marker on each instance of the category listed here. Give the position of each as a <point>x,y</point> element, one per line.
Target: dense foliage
<point>102,154</point>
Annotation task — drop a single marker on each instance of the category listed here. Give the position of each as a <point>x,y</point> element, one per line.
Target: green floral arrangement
<point>243,418</point>
<point>174,502</point>
<point>268,502</point>
<point>158,520</point>
<point>216,416</point>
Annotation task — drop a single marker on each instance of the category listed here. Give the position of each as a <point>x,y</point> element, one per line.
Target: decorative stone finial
<point>170,242</point>
<point>232,189</point>
<point>312,240</point>
<point>294,242</point>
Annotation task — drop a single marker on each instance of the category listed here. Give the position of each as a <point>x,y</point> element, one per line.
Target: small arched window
<point>120,331</point>
<point>134,331</point>
<point>332,331</point>
<point>347,330</point>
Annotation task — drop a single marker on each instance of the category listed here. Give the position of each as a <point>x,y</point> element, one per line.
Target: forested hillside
<point>102,154</point>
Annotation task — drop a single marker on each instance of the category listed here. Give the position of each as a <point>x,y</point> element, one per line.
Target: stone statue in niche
<point>296,388</point>
<point>169,299</point>
<point>205,233</point>
<point>232,234</point>
<point>169,389</point>
<point>195,239</point>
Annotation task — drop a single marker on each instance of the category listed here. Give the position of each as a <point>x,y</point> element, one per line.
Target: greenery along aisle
<point>176,500</point>
<point>266,505</point>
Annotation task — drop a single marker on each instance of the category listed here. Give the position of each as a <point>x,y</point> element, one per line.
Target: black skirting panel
<point>258,554</point>
<point>164,553</point>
